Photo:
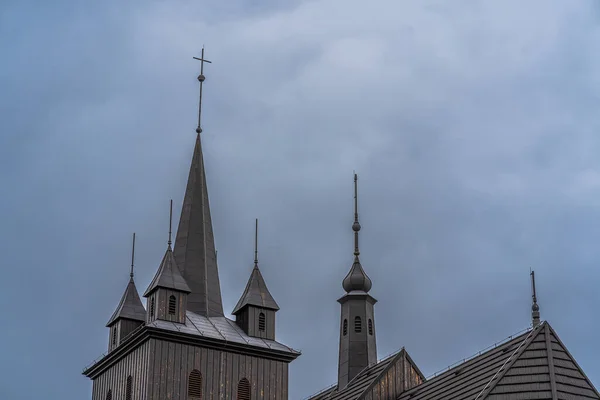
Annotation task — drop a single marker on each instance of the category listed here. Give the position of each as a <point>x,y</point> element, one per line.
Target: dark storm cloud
<point>473,127</point>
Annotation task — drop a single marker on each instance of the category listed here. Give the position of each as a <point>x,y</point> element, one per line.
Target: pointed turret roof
<point>130,306</point>
<point>168,276</point>
<point>256,292</point>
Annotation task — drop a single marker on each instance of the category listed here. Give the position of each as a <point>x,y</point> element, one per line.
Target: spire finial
<point>356,224</point>
<point>256,243</point>
<point>535,309</point>
<point>132,256</point>
<point>201,79</point>
<point>170,222</point>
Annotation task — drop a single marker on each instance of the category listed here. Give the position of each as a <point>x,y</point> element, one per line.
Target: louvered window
<point>195,386</point>
<point>345,327</point>
<point>114,335</point>
<point>109,395</point>
<point>370,327</point>
<point>172,305</point>
<point>261,322</point>
<point>243,392</point>
<point>357,325</point>
<point>128,388</point>
<point>152,307</point>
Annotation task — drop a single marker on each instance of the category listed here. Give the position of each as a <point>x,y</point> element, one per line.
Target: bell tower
<point>358,345</point>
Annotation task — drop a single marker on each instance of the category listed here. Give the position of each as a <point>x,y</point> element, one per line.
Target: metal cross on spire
<point>201,79</point>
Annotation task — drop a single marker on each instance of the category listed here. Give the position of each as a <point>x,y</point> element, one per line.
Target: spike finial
<point>356,224</point>
<point>535,308</point>
<point>256,243</point>
<point>201,79</point>
<point>356,279</point>
<point>132,256</point>
<point>170,222</point>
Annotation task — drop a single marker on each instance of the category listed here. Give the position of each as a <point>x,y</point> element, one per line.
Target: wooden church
<point>181,346</point>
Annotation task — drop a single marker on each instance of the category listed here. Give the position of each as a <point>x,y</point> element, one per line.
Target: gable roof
<point>362,384</point>
<point>168,276</point>
<point>130,306</point>
<point>256,293</point>
<point>534,365</point>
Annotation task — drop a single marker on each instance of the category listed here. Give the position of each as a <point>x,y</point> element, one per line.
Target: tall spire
<point>194,248</point>
<point>356,279</point>
<point>535,309</point>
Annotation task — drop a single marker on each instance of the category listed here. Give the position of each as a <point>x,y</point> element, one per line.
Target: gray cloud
<point>472,127</point>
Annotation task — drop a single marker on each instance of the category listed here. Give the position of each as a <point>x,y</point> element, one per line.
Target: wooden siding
<point>221,371</point>
<point>247,319</point>
<point>400,376</point>
<point>115,378</point>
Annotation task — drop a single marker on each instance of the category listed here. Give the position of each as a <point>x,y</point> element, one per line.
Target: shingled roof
<point>130,306</point>
<point>534,365</point>
<point>385,378</point>
<point>168,276</point>
<point>256,293</point>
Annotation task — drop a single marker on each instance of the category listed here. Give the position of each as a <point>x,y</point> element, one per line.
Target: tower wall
<point>357,349</point>
<point>115,378</point>
<point>161,369</point>
<point>221,371</point>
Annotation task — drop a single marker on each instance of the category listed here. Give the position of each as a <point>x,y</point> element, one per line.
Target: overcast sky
<point>474,127</point>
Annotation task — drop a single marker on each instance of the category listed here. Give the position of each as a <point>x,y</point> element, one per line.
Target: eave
<point>146,332</point>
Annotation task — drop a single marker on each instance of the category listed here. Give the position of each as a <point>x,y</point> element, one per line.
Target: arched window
<point>172,305</point>
<point>128,388</point>
<point>152,306</point>
<point>345,327</point>
<point>109,395</point>
<point>114,335</point>
<point>370,327</point>
<point>357,325</point>
<point>195,385</point>
<point>261,322</point>
<point>243,392</point>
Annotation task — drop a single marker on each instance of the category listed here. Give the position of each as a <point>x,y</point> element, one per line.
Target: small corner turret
<point>255,311</point>
<point>130,313</point>
<point>167,293</point>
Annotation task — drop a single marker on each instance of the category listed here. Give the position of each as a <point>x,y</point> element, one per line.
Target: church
<point>181,346</point>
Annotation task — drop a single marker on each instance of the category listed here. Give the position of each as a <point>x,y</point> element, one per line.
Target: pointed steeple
<point>356,279</point>
<point>168,275</point>
<point>130,306</point>
<point>256,292</point>
<point>535,309</point>
<point>194,244</point>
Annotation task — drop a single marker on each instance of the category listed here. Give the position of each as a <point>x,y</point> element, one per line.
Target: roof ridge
<point>572,359</point>
<point>508,363</point>
<point>383,372</point>
<point>480,352</point>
